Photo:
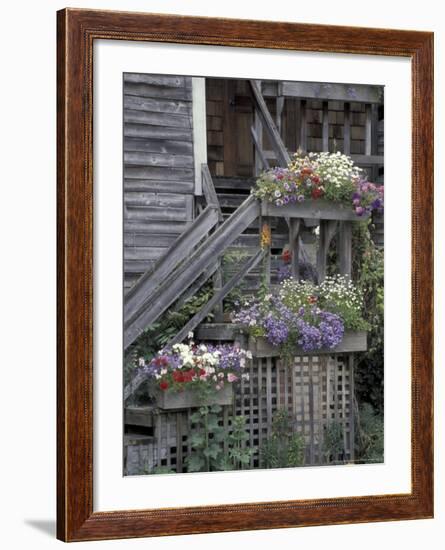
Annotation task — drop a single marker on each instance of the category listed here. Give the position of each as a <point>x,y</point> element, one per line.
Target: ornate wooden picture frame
<point>77,31</point>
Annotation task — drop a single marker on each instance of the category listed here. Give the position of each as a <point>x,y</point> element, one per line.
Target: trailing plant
<point>368,273</point>
<point>332,176</point>
<point>285,447</point>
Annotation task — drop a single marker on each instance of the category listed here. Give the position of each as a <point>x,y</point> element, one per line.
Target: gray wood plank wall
<point>158,167</point>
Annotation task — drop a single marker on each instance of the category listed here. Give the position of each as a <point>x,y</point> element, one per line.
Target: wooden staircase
<point>229,220</point>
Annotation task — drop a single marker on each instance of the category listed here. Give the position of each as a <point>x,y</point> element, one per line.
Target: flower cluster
<point>307,327</point>
<point>336,294</point>
<point>318,329</point>
<point>315,175</point>
<point>197,366</point>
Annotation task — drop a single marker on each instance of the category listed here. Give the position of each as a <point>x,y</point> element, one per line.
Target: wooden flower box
<point>353,341</point>
<point>311,209</point>
<point>175,400</point>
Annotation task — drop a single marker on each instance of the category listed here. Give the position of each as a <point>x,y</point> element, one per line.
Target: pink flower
<point>232,377</point>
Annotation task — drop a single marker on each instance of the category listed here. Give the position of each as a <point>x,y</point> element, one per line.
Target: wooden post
<point>344,248</point>
<point>258,128</point>
<point>368,129</point>
<point>303,127</point>
<point>294,244</point>
<point>325,126</point>
<point>327,231</point>
<point>217,286</point>
<point>347,129</point>
<point>351,407</point>
<point>278,114</point>
<point>229,123</point>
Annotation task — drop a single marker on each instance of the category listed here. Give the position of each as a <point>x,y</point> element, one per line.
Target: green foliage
<point>207,440</point>
<point>239,454</point>
<point>285,447</point>
<point>333,441</point>
<point>370,441</point>
<point>368,273</point>
<point>207,454</point>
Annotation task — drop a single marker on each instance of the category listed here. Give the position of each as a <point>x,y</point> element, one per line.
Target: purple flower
<point>359,210</point>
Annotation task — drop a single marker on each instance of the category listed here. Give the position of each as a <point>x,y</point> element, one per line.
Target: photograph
<point>253,274</point>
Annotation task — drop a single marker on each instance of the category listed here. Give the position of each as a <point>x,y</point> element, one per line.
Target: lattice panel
<point>316,390</point>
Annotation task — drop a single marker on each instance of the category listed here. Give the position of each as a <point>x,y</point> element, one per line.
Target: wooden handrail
<point>146,308</point>
<point>179,250</point>
<point>217,298</point>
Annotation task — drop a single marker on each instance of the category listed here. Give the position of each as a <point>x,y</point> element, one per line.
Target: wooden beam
<point>269,125</point>
<point>361,93</point>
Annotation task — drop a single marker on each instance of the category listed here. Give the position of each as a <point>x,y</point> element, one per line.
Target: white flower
<point>190,335</point>
<point>249,354</point>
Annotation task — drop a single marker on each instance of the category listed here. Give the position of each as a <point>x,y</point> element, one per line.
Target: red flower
<point>188,376</point>
<point>178,376</point>
<point>163,385</point>
<point>312,299</point>
<point>315,179</point>
<point>286,256</point>
<point>316,193</point>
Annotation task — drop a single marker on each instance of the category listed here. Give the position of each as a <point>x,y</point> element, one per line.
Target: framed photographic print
<point>244,314</point>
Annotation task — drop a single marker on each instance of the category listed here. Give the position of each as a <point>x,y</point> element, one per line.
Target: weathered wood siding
<point>230,115</point>
<point>159,174</point>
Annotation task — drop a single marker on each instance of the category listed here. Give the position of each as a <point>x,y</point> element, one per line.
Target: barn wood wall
<point>158,167</point>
